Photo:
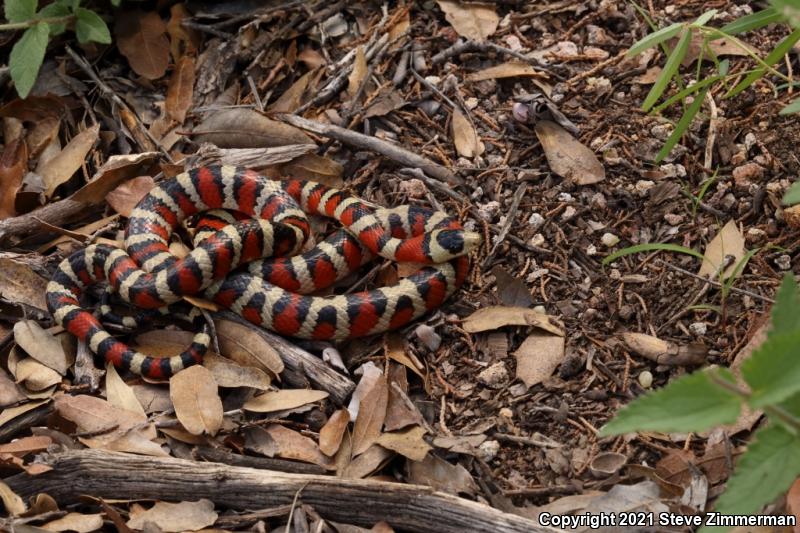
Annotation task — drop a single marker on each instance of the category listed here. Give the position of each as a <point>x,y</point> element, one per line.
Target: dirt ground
<point>528,117</point>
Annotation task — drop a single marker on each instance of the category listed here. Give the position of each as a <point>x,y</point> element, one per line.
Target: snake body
<point>268,292</point>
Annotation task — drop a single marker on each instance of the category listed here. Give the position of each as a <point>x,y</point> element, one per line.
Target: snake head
<point>449,243</point>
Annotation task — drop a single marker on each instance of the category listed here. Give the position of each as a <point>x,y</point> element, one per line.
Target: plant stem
<point>777,412</point>
<point>11,26</point>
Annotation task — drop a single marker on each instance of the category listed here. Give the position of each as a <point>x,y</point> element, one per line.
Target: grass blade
<point>682,126</point>
<point>651,247</point>
<point>753,21</point>
<point>705,17</point>
<point>794,107</point>
<point>655,38</point>
<point>773,57</point>
<point>670,68</point>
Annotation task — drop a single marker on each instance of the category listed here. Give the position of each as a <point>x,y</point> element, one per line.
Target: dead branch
<point>360,501</point>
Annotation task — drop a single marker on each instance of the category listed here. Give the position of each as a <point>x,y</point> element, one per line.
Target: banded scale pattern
<point>270,292</point>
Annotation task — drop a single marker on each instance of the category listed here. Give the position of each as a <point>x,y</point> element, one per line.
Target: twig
<point>463,47</point>
<point>359,140</point>
<point>512,214</point>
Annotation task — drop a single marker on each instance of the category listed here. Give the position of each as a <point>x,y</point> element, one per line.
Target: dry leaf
<point>246,128</point>
<point>10,392</point>
<point>80,523</point>
<point>42,346</point>
<point>358,73</point>
<point>293,96</point>
<point>729,241</point>
<point>11,413</point>
<point>283,399</point>
<point>175,517</point>
<point>95,415</point>
<point>371,415</point>
<point>117,169</point>
<point>14,505</point>
<point>197,404</point>
<point>465,138</point>
<point>370,374</point>
<point>119,393</point>
<point>665,352</point>
<point>26,445</point>
<point>20,284</point>
<point>127,195</point>
<point>441,475</point>
<point>649,77</point>
<point>400,410</point>
<point>311,58</point>
<point>566,156</point>
<point>230,374</point>
<point>245,346</point>
<point>538,357</point>
<point>384,104</point>
<point>138,442</point>
<point>34,375</point>
<point>473,21</point>
<point>61,167</point>
<point>510,69</point>
<point>142,39</point>
<point>494,317</point>
<point>511,290</point>
<point>368,462</point>
<point>182,40</point>
<point>397,352</point>
<point>292,445</point>
<point>466,444</point>
<point>153,398</point>
<point>315,167</point>
<point>330,436</point>
<point>13,165</point>
<point>408,443</point>
<point>180,90</point>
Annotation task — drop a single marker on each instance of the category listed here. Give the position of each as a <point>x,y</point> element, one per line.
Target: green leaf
<point>785,318</point>
<point>670,68</point>
<point>20,10</point>
<point>792,108</point>
<point>767,469</point>
<point>705,17</point>
<point>27,56</point>
<point>780,50</point>
<point>654,39</point>
<point>753,21</point>
<point>650,247</point>
<point>681,127</point>
<point>772,371</point>
<point>56,9</point>
<point>686,92</point>
<point>792,196</point>
<point>690,403</point>
<point>90,27</point>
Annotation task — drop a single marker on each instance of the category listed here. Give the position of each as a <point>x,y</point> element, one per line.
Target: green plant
<point>28,52</point>
<point>780,11</point>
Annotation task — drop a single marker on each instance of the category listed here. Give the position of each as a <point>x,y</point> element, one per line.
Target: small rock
<point>565,49</point>
<point>597,36</point>
<point>757,235</point>
<point>414,188</point>
<point>749,141</point>
<point>471,102</point>
<point>673,219</point>
<point>642,186</point>
<point>673,170</point>
<point>661,131</point>
<point>433,80</point>
<point>568,213</point>
<point>565,197</point>
<point>598,201</point>
<point>784,262</point>
<point>518,389</point>
<point>598,85</point>
<point>698,328</point>
<point>535,220</point>
<point>505,412</point>
<point>513,43</point>
<point>646,379</point>
<point>609,240</point>
<point>489,210</point>
<point>592,52</point>
<point>591,250</point>
<point>477,193</point>
<point>428,336</point>
<point>540,309</point>
<point>537,240</point>
<point>615,274</point>
<point>791,215</point>
<point>488,450</point>
<point>745,174</point>
<point>494,376</point>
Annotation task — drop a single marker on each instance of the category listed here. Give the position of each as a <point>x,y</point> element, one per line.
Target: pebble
<point>642,186</point>
<point>414,188</point>
<point>791,215</point>
<point>744,175</point>
<point>673,219</point>
<point>673,170</point>
<point>598,201</point>
<point>489,210</point>
<point>591,250</point>
<point>661,131</point>
<point>565,197</point>
<point>537,240</point>
<point>428,336</point>
<point>698,328</point>
<point>784,262</point>
<point>609,240</point>
<point>749,141</point>
<point>646,379</point>
<point>540,309</point>
<point>592,52</point>
<point>488,450</point>
<point>568,213</point>
<point>494,376</point>
<point>536,220</point>
<point>514,43</point>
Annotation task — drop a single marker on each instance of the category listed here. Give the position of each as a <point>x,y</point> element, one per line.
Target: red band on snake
<point>267,292</point>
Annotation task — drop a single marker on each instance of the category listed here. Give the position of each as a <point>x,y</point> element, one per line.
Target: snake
<point>250,262</point>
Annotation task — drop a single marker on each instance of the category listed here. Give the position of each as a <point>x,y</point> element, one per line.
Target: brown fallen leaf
<point>358,73</point>
<point>246,128</point>
<point>665,352</point>
<point>441,475</point>
<point>228,373</point>
<point>649,77</point>
<point>408,442</point>
<point>712,49</point>
<point>283,399</point>
<point>511,290</point>
<point>400,410</point>
<point>197,403</point>
<point>538,357</point>
<point>494,317</point>
<point>292,97</point>
<point>10,392</point>
<point>26,445</point>
<point>42,136</point>
<point>117,169</point>
<point>371,415</point>
<point>119,393</point>
<point>176,517</point>
<point>292,445</point>
<point>180,90</point>
<point>142,39</point>
<point>397,352</point>
<point>389,100</point>
<point>466,444</point>
<point>729,241</point>
<point>370,374</point>
<point>566,156</point>
<point>182,40</point>
<point>315,168</point>
<point>374,458</point>
<point>33,375</point>
<point>95,415</point>
<point>10,413</point>
<point>465,138</point>
<point>311,58</point>
<point>153,398</point>
<point>20,284</point>
<point>245,346</point>
<point>330,436</point>
<point>77,522</point>
<point>42,346</point>
<point>13,504</point>
<point>473,21</point>
<point>61,167</point>
<point>510,69</point>
<point>13,165</point>
<point>125,197</point>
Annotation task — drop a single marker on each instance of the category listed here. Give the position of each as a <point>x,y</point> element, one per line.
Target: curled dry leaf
<point>10,413</point>
<point>566,156</point>
<point>175,517</point>
<point>441,475</point>
<point>10,392</point>
<point>358,73</point>
<point>26,445</point>
<point>397,352</point>
<point>283,399</point>
<point>315,168</point>
<point>42,346</point>
<point>466,444</point>
<point>400,410</point>
<point>494,317</point>
<point>510,69</point>
<point>388,101</point>
<point>246,128</point>
<point>245,346</point>
<point>665,352</point>
<point>607,463</point>
<point>119,393</point>
<point>293,96</point>
<point>371,415</point>
<point>142,39</point>
<point>20,284</point>
<point>370,374</point>
<point>368,462</point>
<point>292,445</point>
<point>408,442</point>
<point>125,197</point>
<point>180,90</point>
<point>117,169</point>
<point>729,241</point>
<point>228,373</point>
<point>538,357</point>
<point>61,167</point>
<point>77,522</point>
<point>100,418</point>
<point>330,436</point>
<point>35,376</point>
<point>13,503</point>
<point>197,404</point>
<point>182,40</point>
<point>465,138</point>
<point>473,21</point>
